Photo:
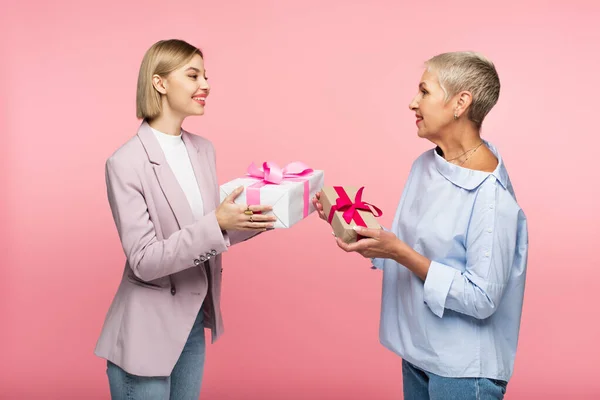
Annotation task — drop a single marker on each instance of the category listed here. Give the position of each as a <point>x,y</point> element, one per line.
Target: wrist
<point>400,252</point>
<point>220,222</point>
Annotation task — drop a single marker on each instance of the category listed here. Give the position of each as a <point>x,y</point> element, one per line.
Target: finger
<point>263,218</point>
<point>368,232</point>
<point>233,195</point>
<point>258,225</point>
<point>341,244</point>
<point>246,229</point>
<point>260,208</point>
<point>354,247</point>
<point>316,203</point>
<point>318,206</point>
<point>318,195</point>
<point>363,245</point>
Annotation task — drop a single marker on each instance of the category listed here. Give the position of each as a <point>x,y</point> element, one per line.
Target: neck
<point>167,122</point>
<point>457,140</point>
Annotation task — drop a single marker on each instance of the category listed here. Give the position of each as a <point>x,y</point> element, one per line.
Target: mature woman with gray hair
<point>455,259</point>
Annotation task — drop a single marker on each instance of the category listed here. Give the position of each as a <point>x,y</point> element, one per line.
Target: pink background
<point>327,83</point>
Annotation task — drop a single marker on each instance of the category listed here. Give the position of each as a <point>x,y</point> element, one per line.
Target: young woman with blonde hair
<point>164,197</point>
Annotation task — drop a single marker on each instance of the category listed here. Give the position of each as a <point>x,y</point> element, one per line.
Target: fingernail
<point>358,228</point>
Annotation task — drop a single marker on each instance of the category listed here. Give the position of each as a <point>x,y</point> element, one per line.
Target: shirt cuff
<point>437,285</point>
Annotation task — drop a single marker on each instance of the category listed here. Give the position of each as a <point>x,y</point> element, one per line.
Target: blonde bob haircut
<point>468,71</point>
<point>161,59</point>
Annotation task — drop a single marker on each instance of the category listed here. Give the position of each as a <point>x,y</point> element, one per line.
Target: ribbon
<point>350,208</point>
<point>272,174</point>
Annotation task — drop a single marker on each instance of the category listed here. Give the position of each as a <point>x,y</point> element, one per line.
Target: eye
<point>424,92</point>
<point>194,76</point>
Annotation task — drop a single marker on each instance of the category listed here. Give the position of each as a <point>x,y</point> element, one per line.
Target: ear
<point>463,101</point>
<point>159,83</point>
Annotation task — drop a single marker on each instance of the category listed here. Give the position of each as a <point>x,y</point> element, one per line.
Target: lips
<point>419,119</point>
<point>200,99</point>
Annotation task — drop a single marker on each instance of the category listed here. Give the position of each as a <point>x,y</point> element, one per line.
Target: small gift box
<point>345,209</point>
<point>288,190</point>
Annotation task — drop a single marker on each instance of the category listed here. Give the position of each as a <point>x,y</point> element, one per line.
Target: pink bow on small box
<point>343,213</point>
<point>350,208</point>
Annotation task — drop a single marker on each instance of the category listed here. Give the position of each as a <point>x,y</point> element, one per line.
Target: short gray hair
<point>470,71</point>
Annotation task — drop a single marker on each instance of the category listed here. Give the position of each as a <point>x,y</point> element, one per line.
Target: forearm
<point>411,259</point>
<point>151,259</point>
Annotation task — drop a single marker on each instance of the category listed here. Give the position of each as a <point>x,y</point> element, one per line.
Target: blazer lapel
<point>202,171</point>
<point>166,178</point>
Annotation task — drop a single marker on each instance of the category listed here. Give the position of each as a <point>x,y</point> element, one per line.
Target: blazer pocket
<point>148,285</point>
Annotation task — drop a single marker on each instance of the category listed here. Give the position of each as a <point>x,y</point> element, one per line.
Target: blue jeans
<point>423,385</point>
<point>183,383</point>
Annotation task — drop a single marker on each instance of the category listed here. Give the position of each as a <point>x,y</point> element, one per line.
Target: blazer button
<point>213,253</point>
<point>197,262</point>
<point>202,258</point>
<point>208,256</point>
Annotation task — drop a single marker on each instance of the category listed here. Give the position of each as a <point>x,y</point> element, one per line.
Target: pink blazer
<point>173,266</point>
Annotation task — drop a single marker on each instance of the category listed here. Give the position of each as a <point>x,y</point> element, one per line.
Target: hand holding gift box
<point>288,190</point>
<point>344,209</point>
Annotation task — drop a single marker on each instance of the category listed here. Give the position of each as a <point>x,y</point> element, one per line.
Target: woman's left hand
<point>377,243</point>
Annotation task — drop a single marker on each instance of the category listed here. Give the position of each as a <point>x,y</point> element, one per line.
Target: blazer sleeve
<point>148,257</point>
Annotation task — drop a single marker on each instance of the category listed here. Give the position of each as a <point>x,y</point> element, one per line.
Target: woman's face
<point>186,88</point>
<point>432,110</point>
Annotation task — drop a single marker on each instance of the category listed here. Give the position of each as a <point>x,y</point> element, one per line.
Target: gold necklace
<point>473,150</point>
<point>469,156</point>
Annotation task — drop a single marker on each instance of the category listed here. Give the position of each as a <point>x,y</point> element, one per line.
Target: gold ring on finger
<point>251,219</point>
<point>248,211</point>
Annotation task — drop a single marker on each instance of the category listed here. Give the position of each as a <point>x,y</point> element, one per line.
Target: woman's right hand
<point>231,216</point>
<point>318,206</point>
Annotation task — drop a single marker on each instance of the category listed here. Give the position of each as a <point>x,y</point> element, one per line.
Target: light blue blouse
<point>464,320</point>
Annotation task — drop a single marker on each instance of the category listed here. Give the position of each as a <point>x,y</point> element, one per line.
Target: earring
<point>455,116</point>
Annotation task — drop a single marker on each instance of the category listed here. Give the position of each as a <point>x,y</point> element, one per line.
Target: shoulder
<point>419,166</point>
<point>423,160</point>
<point>128,156</point>
<point>496,196</point>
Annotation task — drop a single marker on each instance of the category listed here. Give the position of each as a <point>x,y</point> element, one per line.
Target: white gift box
<point>290,198</point>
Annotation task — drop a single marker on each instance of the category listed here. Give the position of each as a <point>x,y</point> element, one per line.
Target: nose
<point>204,85</point>
<point>413,105</point>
